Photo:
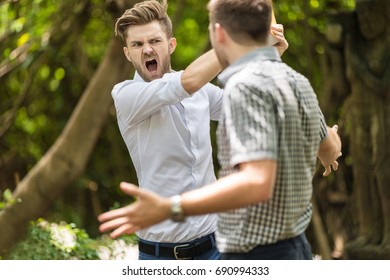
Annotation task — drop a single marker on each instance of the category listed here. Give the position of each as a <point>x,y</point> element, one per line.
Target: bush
<point>52,241</point>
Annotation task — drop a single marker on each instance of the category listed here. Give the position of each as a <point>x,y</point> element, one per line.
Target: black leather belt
<point>181,251</point>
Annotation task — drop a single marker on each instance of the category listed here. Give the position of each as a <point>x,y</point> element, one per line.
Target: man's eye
<point>137,44</point>
<point>155,41</point>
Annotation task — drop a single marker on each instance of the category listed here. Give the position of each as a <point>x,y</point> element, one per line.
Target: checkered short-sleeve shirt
<point>270,112</point>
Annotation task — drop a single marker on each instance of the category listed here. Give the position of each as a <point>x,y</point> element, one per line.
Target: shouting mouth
<point>151,65</point>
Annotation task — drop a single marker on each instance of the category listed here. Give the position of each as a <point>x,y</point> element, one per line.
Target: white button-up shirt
<point>167,133</point>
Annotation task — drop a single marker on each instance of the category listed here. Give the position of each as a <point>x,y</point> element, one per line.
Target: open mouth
<point>151,65</point>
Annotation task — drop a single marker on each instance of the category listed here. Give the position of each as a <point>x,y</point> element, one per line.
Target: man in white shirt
<point>164,118</point>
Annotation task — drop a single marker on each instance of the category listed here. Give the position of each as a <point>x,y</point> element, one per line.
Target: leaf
<point>8,196</point>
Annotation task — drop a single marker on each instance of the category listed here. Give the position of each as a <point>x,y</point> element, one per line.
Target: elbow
<point>266,195</point>
<point>190,83</point>
<point>261,192</point>
<point>259,180</point>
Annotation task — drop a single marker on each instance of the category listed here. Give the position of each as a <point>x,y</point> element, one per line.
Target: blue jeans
<point>297,248</point>
<point>212,254</point>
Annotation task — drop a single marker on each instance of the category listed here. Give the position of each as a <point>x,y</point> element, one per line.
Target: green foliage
<point>305,26</point>
<point>52,241</point>
<point>52,48</point>
<point>49,51</point>
<point>6,199</point>
<point>190,29</point>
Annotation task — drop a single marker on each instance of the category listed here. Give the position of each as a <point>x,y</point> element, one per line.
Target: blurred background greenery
<point>50,50</point>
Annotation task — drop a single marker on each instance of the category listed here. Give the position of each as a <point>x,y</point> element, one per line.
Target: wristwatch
<point>176,211</point>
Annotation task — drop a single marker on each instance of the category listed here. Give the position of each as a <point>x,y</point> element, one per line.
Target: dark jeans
<point>297,248</point>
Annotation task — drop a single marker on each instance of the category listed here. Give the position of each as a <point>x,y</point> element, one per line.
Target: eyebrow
<point>151,39</point>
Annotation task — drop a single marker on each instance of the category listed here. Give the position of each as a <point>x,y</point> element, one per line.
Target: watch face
<point>178,217</point>
<point>177,214</point>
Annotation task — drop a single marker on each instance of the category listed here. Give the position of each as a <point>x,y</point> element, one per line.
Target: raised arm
<point>206,67</point>
<point>200,72</point>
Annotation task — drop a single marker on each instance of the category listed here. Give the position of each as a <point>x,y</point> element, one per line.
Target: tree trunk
<point>365,45</point>
<point>67,158</point>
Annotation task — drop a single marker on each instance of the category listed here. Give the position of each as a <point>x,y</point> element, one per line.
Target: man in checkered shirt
<point>271,133</point>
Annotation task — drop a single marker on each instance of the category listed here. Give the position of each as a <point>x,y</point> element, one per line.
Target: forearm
<point>200,72</point>
<point>254,183</point>
<point>247,187</point>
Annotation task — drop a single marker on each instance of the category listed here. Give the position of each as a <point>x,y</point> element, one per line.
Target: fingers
<point>277,27</point>
<point>121,221</point>
<point>130,189</point>
<point>133,190</point>
<point>140,214</point>
<point>280,37</point>
<point>277,31</point>
<point>114,223</point>
<point>113,214</point>
<point>335,165</point>
<point>328,168</point>
<point>327,171</point>
<point>127,188</point>
<point>278,34</point>
<point>124,229</point>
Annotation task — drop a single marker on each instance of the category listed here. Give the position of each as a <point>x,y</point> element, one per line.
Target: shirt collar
<point>263,53</point>
<point>137,77</point>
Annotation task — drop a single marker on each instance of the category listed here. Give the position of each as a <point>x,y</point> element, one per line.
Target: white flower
<point>63,237</point>
<point>104,253</point>
<point>118,250</point>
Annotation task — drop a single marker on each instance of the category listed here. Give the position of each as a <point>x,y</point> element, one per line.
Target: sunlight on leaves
<point>6,199</point>
<point>17,25</point>
<point>54,84</point>
<point>292,16</point>
<point>23,39</point>
<point>59,74</point>
<point>314,4</point>
<point>44,72</point>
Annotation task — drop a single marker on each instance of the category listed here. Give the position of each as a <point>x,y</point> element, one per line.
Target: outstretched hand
<point>148,210</point>
<point>278,31</point>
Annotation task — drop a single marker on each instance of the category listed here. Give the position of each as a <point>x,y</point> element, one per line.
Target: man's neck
<point>237,51</point>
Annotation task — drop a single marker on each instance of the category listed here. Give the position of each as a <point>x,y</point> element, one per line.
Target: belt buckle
<point>176,253</point>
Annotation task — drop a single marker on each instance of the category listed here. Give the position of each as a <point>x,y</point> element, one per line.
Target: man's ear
<point>127,54</point>
<point>220,34</point>
<point>172,45</point>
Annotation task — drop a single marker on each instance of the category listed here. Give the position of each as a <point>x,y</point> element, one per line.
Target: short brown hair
<point>144,13</point>
<point>243,19</point>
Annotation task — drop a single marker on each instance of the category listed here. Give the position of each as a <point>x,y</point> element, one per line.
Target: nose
<point>147,49</point>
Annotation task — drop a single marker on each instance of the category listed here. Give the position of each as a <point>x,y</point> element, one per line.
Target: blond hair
<point>144,13</point>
